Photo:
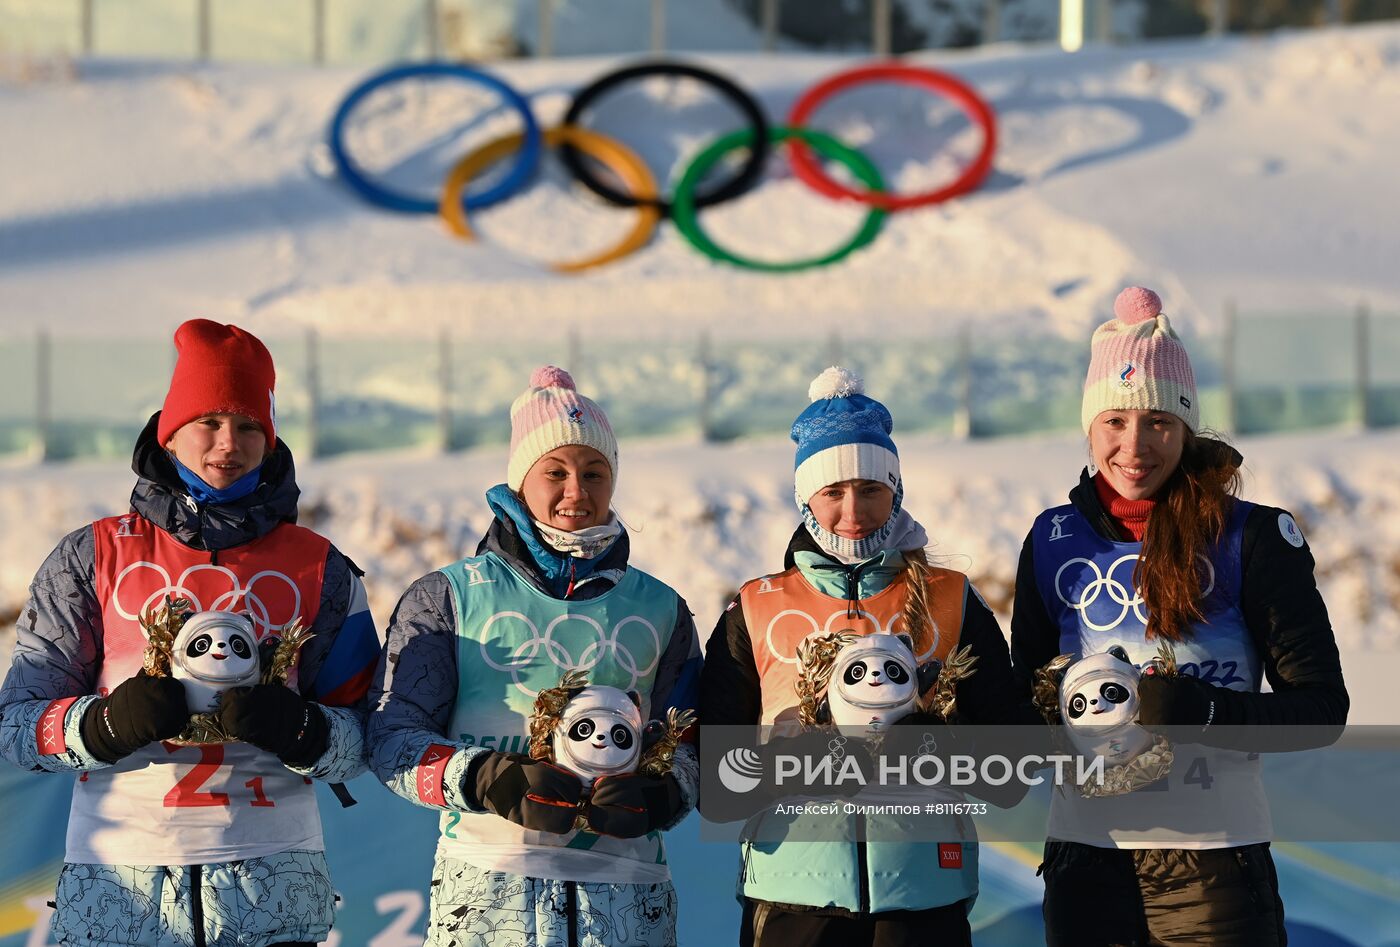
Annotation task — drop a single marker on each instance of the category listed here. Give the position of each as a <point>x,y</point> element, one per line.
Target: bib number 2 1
<point>189,792</point>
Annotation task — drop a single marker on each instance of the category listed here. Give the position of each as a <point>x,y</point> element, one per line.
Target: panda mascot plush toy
<point>213,652</point>
<point>1099,705</point>
<point>599,733</point>
<point>874,682</point>
<point>593,731</point>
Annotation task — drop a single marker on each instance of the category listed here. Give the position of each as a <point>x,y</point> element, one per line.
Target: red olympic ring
<point>809,170</point>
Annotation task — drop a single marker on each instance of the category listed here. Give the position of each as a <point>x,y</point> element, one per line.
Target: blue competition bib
<point>1086,582</point>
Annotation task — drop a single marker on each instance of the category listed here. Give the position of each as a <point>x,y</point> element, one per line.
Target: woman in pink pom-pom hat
<point>1201,596</point>
<point>527,845</point>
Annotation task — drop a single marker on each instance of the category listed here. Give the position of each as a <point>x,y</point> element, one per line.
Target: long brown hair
<point>1189,518</point>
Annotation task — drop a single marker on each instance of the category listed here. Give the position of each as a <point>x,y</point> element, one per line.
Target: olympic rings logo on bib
<point>637,188</point>
<point>270,599</point>
<point>1125,596</point>
<point>538,661</point>
<point>784,649</point>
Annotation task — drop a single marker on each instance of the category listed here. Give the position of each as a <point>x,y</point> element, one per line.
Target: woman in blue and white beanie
<point>848,485</point>
<point>856,563</point>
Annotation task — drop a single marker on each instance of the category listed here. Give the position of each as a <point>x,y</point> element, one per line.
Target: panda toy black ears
<point>635,698</point>
<point>908,640</point>
<point>1118,652</point>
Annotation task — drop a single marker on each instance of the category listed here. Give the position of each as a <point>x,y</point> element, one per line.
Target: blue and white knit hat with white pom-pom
<point>842,435</point>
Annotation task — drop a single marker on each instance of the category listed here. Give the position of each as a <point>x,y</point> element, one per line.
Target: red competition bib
<point>169,805</point>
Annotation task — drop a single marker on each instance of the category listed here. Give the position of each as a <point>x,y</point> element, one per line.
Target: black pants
<point>1221,897</point>
<point>768,925</point>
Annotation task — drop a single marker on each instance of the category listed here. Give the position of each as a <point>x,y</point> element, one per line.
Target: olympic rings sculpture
<point>639,190</point>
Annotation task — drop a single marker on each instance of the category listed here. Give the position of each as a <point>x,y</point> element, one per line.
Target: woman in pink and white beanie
<point>1137,362</point>
<point>471,645</point>
<point>1156,549</point>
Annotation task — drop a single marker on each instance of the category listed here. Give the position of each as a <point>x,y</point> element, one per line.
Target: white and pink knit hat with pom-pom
<point>1137,361</point>
<point>551,414</point>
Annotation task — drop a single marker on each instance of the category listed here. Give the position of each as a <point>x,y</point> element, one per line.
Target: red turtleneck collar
<point>1130,515</point>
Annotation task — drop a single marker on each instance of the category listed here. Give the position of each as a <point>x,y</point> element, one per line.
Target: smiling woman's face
<point>570,488</point>
<point>1137,450</point>
<point>852,509</point>
<point>219,448</point>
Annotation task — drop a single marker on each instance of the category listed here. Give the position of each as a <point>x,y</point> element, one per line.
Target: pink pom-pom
<point>1137,304</point>
<point>550,376</point>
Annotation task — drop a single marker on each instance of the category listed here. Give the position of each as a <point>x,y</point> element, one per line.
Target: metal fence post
<point>769,25</point>
<point>962,414</point>
<point>833,349</point>
<point>431,27</point>
<point>444,420</point>
<point>1228,372</point>
<point>880,13</point>
<point>1103,21</point>
<point>658,26</point>
<point>203,39</point>
<point>706,395</point>
<point>43,397</point>
<point>313,394</point>
<point>1219,17</point>
<point>991,21</point>
<point>1363,366</point>
<point>318,32</point>
<point>85,26</point>
<point>545,47</point>
<point>573,354</point>
<point>1071,25</point>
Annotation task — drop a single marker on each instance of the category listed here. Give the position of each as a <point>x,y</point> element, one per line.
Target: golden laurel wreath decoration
<point>162,624</point>
<point>1147,767</point>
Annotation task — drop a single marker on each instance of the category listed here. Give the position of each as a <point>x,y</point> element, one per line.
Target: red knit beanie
<point>219,370</point>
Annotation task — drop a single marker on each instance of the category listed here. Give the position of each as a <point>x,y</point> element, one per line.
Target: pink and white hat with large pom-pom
<point>1137,361</point>
<point>551,414</point>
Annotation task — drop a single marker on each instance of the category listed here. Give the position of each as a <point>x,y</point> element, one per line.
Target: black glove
<point>275,718</point>
<point>1181,701</point>
<point>140,710</point>
<point>631,805</point>
<point>531,793</point>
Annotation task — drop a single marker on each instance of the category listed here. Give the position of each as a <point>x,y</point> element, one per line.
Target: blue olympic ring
<point>520,171</point>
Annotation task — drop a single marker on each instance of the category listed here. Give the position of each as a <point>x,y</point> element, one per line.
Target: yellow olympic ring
<point>616,156</point>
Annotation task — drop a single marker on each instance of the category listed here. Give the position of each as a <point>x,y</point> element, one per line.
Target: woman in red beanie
<point>207,844</point>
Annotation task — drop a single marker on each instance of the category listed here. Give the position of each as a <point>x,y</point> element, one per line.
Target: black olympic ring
<point>742,182</point>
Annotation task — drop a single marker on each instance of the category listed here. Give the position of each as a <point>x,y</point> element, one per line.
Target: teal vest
<point>514,641</point>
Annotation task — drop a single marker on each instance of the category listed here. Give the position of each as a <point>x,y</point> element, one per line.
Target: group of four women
<point>219,843</point>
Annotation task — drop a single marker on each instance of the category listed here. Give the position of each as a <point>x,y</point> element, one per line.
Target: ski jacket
<point>75,636</point>
<point>1264,620</point>
<point>740,686</point>
<point>447,689</point>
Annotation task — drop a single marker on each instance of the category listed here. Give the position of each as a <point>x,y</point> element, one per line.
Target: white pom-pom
<point>835,382</point>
